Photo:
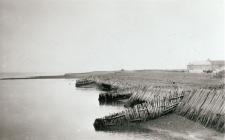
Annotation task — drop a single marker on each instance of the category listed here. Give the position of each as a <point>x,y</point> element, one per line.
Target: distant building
<point>218,65</point>
<point>207,66</point>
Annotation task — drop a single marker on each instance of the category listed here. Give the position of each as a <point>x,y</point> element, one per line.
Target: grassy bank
<point>149,77</point>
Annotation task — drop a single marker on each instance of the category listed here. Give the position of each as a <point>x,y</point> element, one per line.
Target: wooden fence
<point>206,106</point>
<point>140,112</point>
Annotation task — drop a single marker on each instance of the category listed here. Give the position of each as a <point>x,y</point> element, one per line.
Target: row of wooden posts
<point>204,105</point>
<point>138,113</point>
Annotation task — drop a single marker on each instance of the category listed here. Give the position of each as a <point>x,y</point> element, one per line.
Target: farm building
<point>206,66</point>
<point>218,65</point>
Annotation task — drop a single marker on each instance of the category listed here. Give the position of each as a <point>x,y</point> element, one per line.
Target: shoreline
<point>155,94</point>
<point>35,77</point>
<point>82,74</point>
<point>61,76</point>
<point>141,87</point>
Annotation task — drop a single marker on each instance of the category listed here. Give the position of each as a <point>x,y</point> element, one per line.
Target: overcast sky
<point>87,35</point>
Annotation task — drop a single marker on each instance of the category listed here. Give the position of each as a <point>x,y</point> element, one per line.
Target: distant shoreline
<point>80,75</point>
<point>36,77</point>
<point>63,76</point>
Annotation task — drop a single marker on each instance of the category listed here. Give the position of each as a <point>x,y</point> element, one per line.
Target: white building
<point>206,66</point>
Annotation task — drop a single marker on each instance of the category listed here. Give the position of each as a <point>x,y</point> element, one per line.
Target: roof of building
<point>217,62</point>
<point>205,62</point>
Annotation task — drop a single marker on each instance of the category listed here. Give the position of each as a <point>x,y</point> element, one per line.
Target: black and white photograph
<point>112,70</point>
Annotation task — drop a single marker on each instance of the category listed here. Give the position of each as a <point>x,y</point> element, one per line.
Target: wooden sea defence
<point>206,106</point>
<point>100,83</point>
<point>115,95</point>
<point>138,113</point>
<point>112,90</point>
<point>106,86</point>
<point>153,96</point>
<point>146,94</point>
<point>85,83</point>
<point>107,97</point>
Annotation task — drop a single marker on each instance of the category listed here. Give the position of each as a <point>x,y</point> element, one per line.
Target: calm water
<point>56,110</point>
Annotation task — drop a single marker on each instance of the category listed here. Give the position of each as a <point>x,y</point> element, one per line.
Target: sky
<point>88,35</point>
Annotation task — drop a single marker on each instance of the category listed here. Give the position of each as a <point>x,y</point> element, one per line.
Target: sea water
<point>54,109</point>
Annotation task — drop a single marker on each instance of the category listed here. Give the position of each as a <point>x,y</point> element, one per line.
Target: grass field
<point>145,77</point>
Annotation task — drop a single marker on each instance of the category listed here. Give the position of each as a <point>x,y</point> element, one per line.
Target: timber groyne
<point>206,106</point>
<point>108,97</point>
<point>112,89</point>
<point>115,95</point>
<point>138,113</point>
<point>105,85</point>
<point>85,83</point>
<point>147,101</point>
<point>146,94</point>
